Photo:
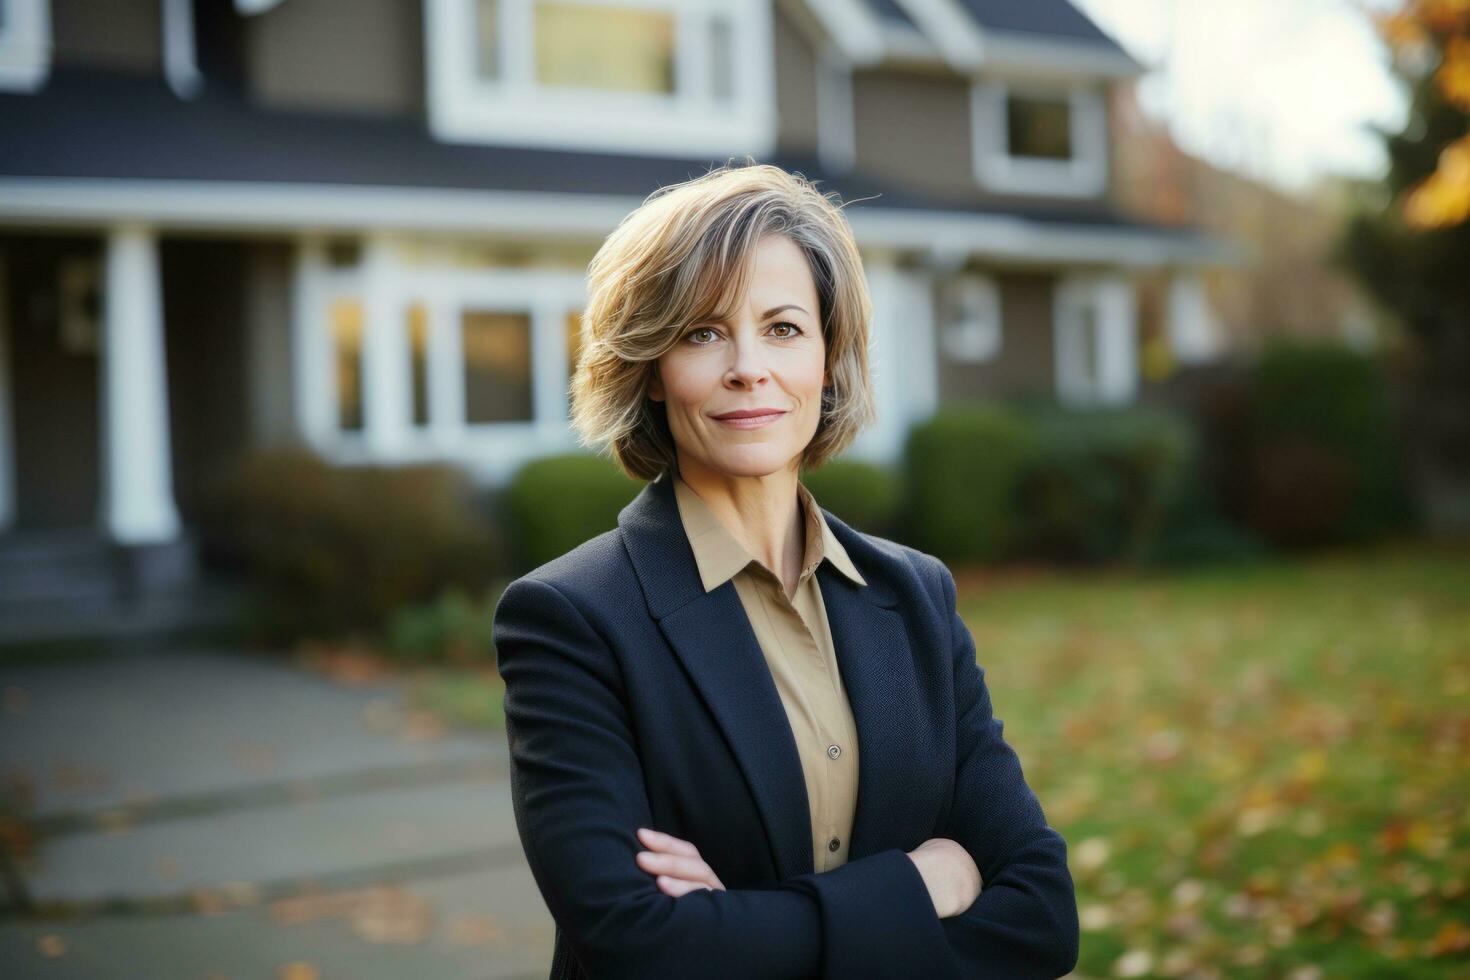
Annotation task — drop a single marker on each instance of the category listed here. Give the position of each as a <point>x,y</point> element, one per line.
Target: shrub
<point>555,503</point>
<point>864,495</point>
<point>454,628</point>
<point>1102,480</point>
<point>331,549</point>
<point>962,470</point>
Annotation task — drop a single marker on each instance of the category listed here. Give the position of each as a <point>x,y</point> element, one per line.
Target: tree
<point>1408,243</point>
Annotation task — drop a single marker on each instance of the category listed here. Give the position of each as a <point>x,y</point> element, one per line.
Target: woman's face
<point>769,356</point>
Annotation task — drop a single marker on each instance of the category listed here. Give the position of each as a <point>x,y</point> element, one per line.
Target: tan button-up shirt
<point>794,637</point>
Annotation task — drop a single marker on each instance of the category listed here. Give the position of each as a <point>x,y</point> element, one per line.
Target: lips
<point>752,418</point>
<point>749,413</point>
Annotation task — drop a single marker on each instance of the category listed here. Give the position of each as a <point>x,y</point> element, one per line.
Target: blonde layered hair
<point>683,257</point>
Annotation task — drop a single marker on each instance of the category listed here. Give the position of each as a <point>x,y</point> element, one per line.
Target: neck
<point>762,512</point>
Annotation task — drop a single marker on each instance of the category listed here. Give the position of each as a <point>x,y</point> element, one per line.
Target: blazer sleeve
<point>579,796</point>
<point>1024,923</point>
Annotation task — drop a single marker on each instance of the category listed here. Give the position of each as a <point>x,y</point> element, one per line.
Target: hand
<point>950,874</point>
<point>675,863</point>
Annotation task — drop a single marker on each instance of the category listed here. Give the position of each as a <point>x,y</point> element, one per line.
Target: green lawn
<point>1260,771</point>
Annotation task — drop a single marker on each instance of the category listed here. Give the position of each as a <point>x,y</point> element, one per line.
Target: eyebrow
<point>769,313</point>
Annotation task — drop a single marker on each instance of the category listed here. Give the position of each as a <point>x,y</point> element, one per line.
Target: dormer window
<point>1034,138</point>
<point>1038,126</point>
<point>676,77</point>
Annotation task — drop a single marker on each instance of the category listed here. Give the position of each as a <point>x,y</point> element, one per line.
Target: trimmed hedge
<point>1101,481</point>
<point>555,503</point>
<point>988,481</point>
<point>334,549</point>
<point>864,495</point>
<point>962,469</point>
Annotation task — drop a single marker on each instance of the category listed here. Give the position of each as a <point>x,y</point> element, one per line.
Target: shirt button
<point>833,751</point>
<point>833,844</point>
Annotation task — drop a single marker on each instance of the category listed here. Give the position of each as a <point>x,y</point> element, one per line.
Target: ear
<point>655,385</point>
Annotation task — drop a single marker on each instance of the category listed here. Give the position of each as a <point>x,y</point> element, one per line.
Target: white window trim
<point>25,45</point>
<point>492,451</point>
<point>1085,175</point>
<point>836,124</point>
<point>985,335</point>
<point>466,108</point>
<point>1114,379</point>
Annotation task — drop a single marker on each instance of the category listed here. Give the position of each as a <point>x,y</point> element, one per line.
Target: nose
<point>747,361</point>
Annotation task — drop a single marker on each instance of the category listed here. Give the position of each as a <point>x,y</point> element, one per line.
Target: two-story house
<point>364,224</point>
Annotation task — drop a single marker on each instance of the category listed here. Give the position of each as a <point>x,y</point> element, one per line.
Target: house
<point>363,224</point>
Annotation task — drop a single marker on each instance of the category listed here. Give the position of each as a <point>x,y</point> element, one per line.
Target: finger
<point>691,869</point>
<point>656,840</point>
<point>678,886</point>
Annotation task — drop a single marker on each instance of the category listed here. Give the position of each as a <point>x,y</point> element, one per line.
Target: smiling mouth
<point>751,422</point>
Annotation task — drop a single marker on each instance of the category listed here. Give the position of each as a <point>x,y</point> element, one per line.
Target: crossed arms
<point>578,794</point>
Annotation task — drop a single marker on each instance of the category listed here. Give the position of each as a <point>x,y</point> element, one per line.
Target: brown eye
<point>797,330</point>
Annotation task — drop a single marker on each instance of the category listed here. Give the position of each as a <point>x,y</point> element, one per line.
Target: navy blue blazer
<point>633,698</point>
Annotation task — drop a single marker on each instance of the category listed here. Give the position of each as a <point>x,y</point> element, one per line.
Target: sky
<point>1277,89</point>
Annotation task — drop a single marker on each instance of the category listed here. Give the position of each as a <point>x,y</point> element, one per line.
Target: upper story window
<point>1032,138</point>
<point>676,77</point>
<point>25,44</point>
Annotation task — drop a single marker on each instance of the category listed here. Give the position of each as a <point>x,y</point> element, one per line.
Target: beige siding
<point>125,34</point>
<point>796,86</point>
<point>338,54</point>
<point>1025,361</point>
<point>914,127</point>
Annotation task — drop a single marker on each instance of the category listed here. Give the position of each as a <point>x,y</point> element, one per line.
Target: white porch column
<point>311,346</point>
<point>137,473</point>
<point>901,356</point>
<point>7,416</point>
<point>387,371</point>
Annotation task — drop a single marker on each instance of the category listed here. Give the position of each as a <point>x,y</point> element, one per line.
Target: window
<point>79,306</point>
<point>414,349</point>
<point>969,318</point>
<point>680,77</point>
<point>418,353</point>
<point>1096,341</point>
<point>1038,139</point>
<point>497,366</point>
<point>25,44</point>
<point>589,46</point>
<point>346,324</point>
<point>1038,127</point>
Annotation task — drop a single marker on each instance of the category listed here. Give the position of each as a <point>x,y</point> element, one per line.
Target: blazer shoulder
<point>903,565</point>
<point>591,575</point>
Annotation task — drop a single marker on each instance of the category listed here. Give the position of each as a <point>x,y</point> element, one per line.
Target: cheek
<point>689,383</point>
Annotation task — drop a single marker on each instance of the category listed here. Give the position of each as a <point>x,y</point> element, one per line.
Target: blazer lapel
<point>713,639</point>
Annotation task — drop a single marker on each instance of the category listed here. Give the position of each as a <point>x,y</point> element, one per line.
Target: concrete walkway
<point>205,814</point>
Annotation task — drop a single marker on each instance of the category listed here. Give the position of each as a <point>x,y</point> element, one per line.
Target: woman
<point>746,739</point>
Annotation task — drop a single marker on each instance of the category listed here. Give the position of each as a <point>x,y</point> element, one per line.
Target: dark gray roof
<point>889,10</point>
<point>94,124</point>
<point>1054,17</point>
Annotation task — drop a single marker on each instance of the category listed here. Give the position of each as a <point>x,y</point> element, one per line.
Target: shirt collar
<point>720,556</point>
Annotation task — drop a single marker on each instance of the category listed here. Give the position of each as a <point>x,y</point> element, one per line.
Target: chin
<point>762,462</point>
